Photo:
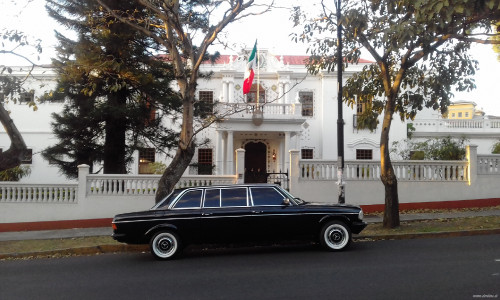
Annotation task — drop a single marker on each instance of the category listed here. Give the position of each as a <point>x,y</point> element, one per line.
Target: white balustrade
<point>370,170</point>
<point>110,185</point>
<point>38,193</point>
<point>488,164</point>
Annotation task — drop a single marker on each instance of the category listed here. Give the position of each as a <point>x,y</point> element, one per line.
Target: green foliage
<point>14,174</point>
<point>496,148</point>
<point>367,120</point>
<point>432,149</point>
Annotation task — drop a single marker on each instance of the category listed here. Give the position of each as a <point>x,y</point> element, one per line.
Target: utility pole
<point>340,119</point>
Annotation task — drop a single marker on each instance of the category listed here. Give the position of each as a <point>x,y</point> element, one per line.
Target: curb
<point>93,250</point>
<point>103,249</point>
<point>440,234</point>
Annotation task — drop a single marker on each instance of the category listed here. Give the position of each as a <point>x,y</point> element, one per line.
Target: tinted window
<point>234,197</point>
<point>266,196</point>
<point>212,198</point>
<point>190,199</point>
<point>168,200</point>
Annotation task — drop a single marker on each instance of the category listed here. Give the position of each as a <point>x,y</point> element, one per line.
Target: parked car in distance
<point>236,213</point>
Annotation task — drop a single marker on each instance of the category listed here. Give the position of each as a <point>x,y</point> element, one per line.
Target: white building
<point>298,111</point>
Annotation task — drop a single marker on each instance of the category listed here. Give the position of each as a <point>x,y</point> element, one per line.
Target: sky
<point>272,31</point>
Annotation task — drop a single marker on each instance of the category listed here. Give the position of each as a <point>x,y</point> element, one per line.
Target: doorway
<point>255,162</point>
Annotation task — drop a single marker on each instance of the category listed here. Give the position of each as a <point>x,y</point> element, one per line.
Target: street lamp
<point>340,120</point>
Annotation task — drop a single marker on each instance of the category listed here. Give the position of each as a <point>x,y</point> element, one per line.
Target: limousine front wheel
<point>335,236</point>
<point>165,245</point>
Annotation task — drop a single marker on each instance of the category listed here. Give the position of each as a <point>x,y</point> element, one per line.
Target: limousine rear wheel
<point>165,245</point>
<point>335,236</point>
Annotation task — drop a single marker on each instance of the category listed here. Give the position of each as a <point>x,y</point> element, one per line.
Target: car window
<point>266,196</point>
<point>234,197</point>
<point>168,200</point>
<point>212,198</point>
<point>191,199</point>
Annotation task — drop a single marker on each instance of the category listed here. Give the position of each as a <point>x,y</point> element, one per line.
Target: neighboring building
<point>287,108</point>
<point>462,120</point>
<point>463,110</point>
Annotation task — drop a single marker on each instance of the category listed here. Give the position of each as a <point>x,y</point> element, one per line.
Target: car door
<point>276,220</point>
<point>226,214</point>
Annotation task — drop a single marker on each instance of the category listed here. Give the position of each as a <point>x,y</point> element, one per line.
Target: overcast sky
<point>271,30</point>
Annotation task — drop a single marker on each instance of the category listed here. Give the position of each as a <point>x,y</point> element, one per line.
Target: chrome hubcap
<point>336,236</point>
<point>165,244</point>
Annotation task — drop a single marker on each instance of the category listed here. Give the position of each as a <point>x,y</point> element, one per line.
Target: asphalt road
<point>447,268</point>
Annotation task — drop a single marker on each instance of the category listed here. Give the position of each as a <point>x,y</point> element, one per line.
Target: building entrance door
<point>255,162</point>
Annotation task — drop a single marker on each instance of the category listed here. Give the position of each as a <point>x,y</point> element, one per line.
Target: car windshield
<point>167,200</point>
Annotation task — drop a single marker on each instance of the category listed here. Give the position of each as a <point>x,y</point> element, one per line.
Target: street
<point>447,268</point>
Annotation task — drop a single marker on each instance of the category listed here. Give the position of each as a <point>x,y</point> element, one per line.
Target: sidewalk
<point>107,231</point>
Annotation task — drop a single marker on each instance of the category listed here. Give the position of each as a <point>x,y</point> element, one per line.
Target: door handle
<point>257,211</point>
<point>206,214</point>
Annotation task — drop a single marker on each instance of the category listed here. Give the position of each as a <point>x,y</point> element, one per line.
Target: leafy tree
<point>420,48</point>
<point>188,28</point>
<point>115,85</point>
<point>10,88</point>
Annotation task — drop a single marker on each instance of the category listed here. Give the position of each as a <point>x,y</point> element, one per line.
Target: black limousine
<point>236,213</point>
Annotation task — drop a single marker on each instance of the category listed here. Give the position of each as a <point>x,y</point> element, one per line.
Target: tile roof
<point>287,59</point>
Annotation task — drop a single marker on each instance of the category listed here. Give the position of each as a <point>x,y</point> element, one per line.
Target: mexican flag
<point>252,60</point>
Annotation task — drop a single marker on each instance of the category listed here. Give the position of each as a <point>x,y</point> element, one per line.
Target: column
<point>230,154</point>
<point>230,92</point>
<point>224,91</point>
<point>287,93</point>
<point>287,148</point>
<point>294,171</point>
<point>471,154</point>
<point>83,172</point>
<point>281,92</point>
<point>282,157</point>
<point>240,165</point>
<point>219,154</point>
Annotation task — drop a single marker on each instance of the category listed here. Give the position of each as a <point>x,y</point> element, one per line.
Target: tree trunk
<point>388,177</point>
<point>186,148</point>
<point>12,157</point>
<point>174,171</point>
<point>114,143</point>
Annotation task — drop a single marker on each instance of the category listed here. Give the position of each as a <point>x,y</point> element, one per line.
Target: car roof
<point>228,186</point>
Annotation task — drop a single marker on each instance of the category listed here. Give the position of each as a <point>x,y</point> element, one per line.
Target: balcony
<point>270,111</point>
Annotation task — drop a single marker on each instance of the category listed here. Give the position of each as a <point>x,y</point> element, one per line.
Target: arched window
<point>252,95</point>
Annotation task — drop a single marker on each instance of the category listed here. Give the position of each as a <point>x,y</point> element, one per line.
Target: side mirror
<point>286,202</point>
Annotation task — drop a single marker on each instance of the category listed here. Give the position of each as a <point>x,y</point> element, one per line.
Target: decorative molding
<point>363,141</point>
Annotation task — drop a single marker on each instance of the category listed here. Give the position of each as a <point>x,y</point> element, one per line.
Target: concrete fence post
<point>471,154</point>
<point>294,170</point>
<point>83,172</point>
<point>240,165</point>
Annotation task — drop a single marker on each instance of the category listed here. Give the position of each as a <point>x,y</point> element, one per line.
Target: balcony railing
<point>270,110</point>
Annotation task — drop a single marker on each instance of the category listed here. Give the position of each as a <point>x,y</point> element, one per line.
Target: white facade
<point>286,123</point>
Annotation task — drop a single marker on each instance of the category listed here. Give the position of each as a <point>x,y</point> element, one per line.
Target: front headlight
<point>361,215</point>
